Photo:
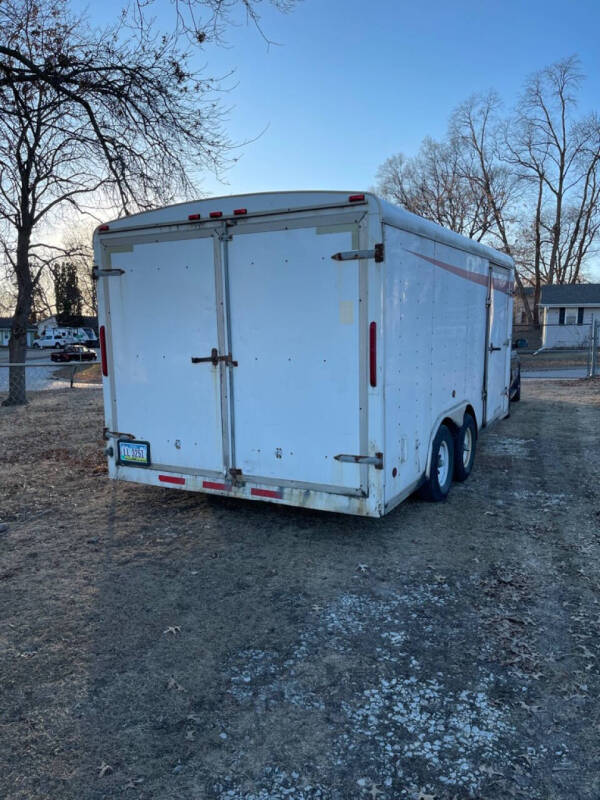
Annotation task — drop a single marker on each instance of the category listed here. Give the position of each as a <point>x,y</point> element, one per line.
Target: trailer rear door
<point>161,312</point>
<point>296,324</point>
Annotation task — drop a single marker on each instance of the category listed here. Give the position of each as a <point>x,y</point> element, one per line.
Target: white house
<point>5,329</point>
<point>568,313</point>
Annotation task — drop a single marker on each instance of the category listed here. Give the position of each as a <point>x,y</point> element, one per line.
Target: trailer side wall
<point>435,349</point>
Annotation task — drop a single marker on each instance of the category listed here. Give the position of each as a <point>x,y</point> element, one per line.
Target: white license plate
<point>134,454</point>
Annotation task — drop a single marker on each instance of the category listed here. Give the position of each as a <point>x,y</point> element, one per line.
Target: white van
<point>318,349</point>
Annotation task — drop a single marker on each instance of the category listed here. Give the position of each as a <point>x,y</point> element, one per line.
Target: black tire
<point>466,437</point>
<point>517,395</point>
<point>443,445</point>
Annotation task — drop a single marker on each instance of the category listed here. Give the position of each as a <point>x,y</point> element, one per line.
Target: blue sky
<point>354,81</point>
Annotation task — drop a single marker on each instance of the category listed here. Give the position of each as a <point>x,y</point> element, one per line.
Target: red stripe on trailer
<point>474,277</point>
<point>221,487</point>
<point>265,493</point>
<point>171,479</point>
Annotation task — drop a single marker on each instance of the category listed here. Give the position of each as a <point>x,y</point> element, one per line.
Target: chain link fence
<point>17,380</point>
<point>570,350</point>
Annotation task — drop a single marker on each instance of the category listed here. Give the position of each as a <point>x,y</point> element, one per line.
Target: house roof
<point>571,294</point>
<point>76,321</point>
<point>6,322</point>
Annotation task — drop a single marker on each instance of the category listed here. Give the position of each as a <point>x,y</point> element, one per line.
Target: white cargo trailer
<point>317,349</point>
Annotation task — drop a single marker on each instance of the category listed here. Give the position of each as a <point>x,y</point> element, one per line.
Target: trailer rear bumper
<point>319,499</point>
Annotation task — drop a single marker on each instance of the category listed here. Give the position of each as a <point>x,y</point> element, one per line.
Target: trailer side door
<point>498,347</point>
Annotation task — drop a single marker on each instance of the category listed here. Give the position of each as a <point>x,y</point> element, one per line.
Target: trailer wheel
<point>438,484</point>
<point>464,449</point>
<point>517,395</point>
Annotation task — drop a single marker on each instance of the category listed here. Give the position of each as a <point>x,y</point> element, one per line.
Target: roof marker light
<point>239,211</point>
<point>193,216</point>
<point>103,227</point>
<point>215,214</point>
<point>356,198</point>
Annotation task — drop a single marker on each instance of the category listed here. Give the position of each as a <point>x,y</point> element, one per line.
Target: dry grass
<point>157,644</point>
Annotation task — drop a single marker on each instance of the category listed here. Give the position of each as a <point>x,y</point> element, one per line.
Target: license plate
<point>134,454</point>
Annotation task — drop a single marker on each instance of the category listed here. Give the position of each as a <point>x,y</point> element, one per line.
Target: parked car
<point>74,352</point>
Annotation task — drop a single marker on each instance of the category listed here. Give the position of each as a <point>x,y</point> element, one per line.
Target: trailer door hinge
<point>106,434</point>
<point>105,273</point>
<point>214,359</point>
<point>376,460</point>
<point>353,255</point>
<point>235,476</point>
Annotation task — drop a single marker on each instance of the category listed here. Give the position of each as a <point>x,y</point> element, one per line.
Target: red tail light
<point>103,228</point>
<point>193,216</point>
<point>215,214</point>
<point>103,351</point>
<point>239,211</point>
<point>373,354</point>
<point>356,198</point>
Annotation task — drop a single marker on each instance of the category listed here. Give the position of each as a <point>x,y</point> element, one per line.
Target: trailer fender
<point>455,415</point>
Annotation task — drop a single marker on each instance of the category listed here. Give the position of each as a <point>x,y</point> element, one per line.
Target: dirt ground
<point>158,645</point>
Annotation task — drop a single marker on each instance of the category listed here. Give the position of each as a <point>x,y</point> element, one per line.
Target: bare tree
<point>434,185</point>
<point>82,111</point>
<point>557,156</point>
<point>528,184</point>
<point>477,125</point>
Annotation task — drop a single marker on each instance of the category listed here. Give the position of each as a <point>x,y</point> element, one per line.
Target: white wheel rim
<point>467,447</point>
<point>443,464</point>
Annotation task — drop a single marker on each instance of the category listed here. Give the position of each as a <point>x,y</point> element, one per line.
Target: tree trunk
<point>17,345</point>
<point>538,252</point>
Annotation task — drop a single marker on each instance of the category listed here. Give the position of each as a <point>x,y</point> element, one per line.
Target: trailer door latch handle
<point>105,273</point>
<point>214,359</point>
<point>353,255</point>
<point>376,460</point>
